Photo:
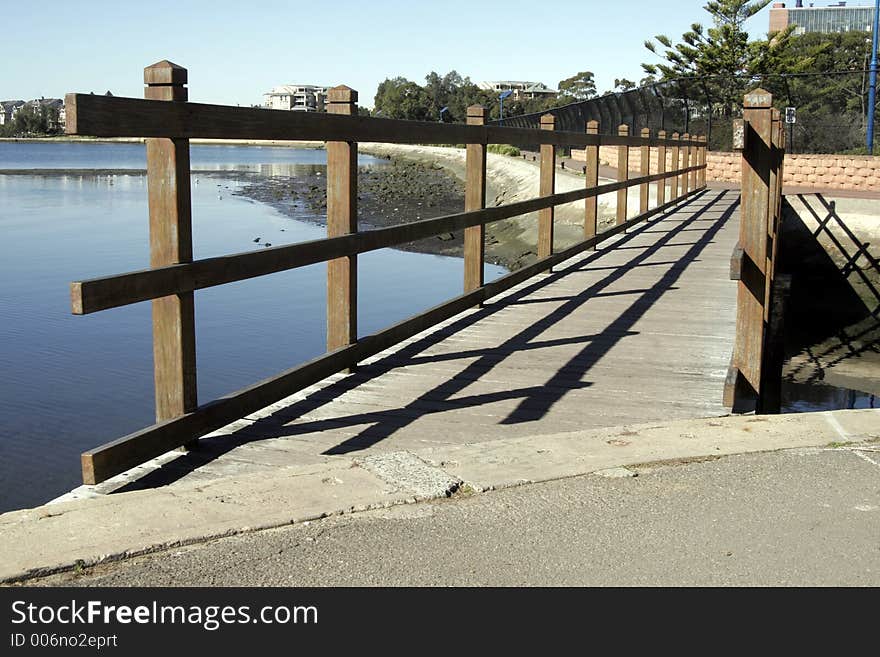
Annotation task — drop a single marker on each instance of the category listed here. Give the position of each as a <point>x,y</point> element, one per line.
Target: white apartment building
<point>296,98</point>
<point>522,90</point>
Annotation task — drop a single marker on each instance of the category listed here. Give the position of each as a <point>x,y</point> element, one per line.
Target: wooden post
<point>695,161</point>
<point>772,216</point>
<point>673,182</point>
<point>170,204</point>
<point>547,188</point>
<point>591,171</point>
<point>645,171</point>
<point>661,168</point>
<point>474,199</point>
<point>704,158</point>
<point>744,378</point>
<point>622,174</point>
<point>341,220</point>
<point>685,163</point>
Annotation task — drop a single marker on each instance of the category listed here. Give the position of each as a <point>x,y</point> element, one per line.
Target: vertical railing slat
<point>661,167</point>
<point>645,171</point>
<point>474,199</point>
<point>547,188</point>
<point>685,163</point>
<point>673,182</point>
<point>170,207</point>
<point>341,220</point>
<point>591,172</point>
<point>622,174</point>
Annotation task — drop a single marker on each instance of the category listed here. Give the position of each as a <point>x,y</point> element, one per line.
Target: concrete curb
<point>84,532</point>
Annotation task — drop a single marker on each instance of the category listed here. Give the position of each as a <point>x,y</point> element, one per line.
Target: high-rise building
<point>834,18</point>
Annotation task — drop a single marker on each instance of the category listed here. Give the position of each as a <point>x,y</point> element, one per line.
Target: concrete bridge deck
<point>639,331</point>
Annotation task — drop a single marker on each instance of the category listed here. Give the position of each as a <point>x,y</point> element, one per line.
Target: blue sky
<point>236,51</point>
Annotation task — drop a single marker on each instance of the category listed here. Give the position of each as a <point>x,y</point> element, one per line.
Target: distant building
<point>8,108</point>
<point>521,90</point>
<point>834,18</point>
<point>296,98</point>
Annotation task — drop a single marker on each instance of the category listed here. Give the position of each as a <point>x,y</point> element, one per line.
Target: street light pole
<point>502,96</point>
<point>872,86</point>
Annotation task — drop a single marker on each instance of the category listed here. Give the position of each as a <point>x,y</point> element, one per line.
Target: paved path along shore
<point>797,517</point>
<point>821,505</point>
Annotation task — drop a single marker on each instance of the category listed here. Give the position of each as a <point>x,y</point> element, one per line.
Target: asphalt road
<point>797,517</point>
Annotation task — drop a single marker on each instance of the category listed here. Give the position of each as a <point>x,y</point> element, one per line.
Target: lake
<point>70,383</point>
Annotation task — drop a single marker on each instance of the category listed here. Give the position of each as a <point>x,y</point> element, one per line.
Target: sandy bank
<point>512,179</point>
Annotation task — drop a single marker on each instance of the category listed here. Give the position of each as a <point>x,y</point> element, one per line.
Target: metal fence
<point>830,109</point>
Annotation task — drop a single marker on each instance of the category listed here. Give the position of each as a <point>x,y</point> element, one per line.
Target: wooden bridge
<point>633,324</point>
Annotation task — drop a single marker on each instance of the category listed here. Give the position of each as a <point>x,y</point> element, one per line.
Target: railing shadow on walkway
<point>535,401</point>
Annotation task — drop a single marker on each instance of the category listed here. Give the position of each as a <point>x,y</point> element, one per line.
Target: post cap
<point>623,129</point>
<point>548,119</point>
<point>342,94</point>
<point>646,132</point>
<point>165,73</point>
<point>758,99</point>
<point>476,110</point>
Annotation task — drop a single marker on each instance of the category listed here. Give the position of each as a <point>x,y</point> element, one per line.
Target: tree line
<point>823,75</point>
<point>33,119</point>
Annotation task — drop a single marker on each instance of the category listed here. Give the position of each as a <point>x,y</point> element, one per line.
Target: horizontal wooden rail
<point>112,458</point>
<point>167,122</point>
<point>110,116</point>
<point>97,294</point>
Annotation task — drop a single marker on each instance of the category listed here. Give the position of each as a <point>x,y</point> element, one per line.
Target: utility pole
<point>872,87</point>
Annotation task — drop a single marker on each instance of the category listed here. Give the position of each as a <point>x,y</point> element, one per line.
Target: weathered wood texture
<point>591,175</point>
<point>113,291</point>
<point>112,458</point>
<point>111,116</point>
<point>341,220</point>
<point>685,163</point>
<point>754,262</point>
<point>673,181</point>
<point>644,170</point>
<point>475,199</point>
<point>552,354</point>
<point>547,188</point>
<point>168,185</point>
<point>622,174</point>
<point>661,168</point>
<point>173,276</point>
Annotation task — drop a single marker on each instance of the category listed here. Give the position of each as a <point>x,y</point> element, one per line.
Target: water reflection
<point>70,383</point>
<point>808,397</point>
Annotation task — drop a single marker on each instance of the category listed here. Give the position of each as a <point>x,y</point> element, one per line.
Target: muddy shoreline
<point>388,195</point>
<point>416,183</point>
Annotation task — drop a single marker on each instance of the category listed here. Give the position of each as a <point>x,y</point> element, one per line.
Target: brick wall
<point>851,172</point>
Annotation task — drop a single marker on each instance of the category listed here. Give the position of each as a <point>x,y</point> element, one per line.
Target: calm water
<point>69,383</point>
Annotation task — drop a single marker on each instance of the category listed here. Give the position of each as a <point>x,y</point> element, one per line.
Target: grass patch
<point>503,149</point>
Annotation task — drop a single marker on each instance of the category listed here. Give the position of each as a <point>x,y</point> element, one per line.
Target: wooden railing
<point>174,276</point>
<point>754,376</point>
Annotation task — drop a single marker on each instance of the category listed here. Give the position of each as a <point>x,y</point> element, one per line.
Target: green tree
<point>722,51</point>
<point>399,98</point>
<point>580,86</point>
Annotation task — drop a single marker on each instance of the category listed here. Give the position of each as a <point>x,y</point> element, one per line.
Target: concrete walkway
<point>799,517</point>
<point>641,330</point>
<point>73,535</point>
